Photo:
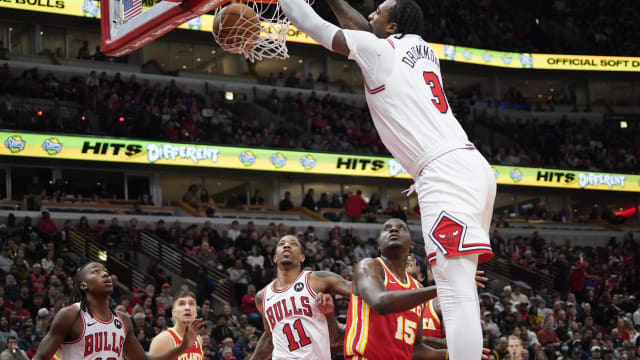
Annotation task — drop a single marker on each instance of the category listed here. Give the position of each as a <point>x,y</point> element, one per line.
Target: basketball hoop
<point>273,37</point>
<point>126,29</point>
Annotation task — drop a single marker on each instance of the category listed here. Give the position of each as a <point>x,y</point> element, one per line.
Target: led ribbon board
<point>30,145</point>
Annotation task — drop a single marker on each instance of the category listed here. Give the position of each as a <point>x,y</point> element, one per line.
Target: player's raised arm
<point>264,348</point>
<point>132,349</point>
<point>369,284</point>
<point>306,20</point>
<point>60,327</point>
<point>348,17</point>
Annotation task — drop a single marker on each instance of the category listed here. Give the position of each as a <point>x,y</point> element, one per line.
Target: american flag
<point>132,8</point>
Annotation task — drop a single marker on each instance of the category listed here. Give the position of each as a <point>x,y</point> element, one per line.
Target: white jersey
<point>299,329</point>
<point>406,98</point>
<point>99,339</point>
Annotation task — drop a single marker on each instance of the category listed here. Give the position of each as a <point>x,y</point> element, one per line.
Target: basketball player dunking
<point>455,184</point>
<point>297,309</point>
<point>90,329</point>
<point>385,314</point>
<point>183,311</point>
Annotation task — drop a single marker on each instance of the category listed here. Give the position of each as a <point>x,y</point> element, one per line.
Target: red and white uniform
<point>431,326</point>
<point>369,335</point>
<point>193,353</point>
<point>455,184</point>
<point>299,329</point>
<point>100,339</point>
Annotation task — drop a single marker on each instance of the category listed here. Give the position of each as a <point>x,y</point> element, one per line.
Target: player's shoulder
<point>163,335</point>
<point>68,312</point>
<point>369,264</point>
<point>126,319</point>
<point>260,296</point>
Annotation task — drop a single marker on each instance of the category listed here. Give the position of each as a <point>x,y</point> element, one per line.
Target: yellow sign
<point>164,153</point>
<point>585,62</point>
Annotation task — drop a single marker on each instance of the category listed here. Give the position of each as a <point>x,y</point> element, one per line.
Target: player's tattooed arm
<point>332,283</point>
<point>348,17</point>
<point>264,348</point>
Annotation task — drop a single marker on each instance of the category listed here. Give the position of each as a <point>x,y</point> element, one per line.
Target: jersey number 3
<point>304,338</point>
<point>439,100</point>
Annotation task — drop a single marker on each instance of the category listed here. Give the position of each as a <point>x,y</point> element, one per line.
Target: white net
<point>257,34</point>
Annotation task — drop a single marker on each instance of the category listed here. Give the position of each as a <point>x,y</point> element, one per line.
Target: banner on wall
<point>515,60</point>
<point>18,144</point>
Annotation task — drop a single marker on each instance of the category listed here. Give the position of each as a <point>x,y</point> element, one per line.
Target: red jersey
<point>194,352</point>
<point>388,337</point>
<point>431,326</point>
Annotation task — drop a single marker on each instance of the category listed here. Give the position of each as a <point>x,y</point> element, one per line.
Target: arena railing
<point>180,263</point>
<point>127,273</point>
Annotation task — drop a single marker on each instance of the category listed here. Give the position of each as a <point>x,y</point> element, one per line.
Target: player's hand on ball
<point>191,332</point>
<point>485,353</point>
<point>480,280</point>
<point>324,303</point>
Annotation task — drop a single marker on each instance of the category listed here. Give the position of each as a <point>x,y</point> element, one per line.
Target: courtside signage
<point>514,60</point>
<point>19,144</point>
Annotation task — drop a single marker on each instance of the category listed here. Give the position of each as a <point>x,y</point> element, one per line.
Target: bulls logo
<point>448,233</point>
<point>298,287</point>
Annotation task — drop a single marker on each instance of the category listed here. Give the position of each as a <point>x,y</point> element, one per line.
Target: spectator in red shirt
<point>577,279</point>
<point>36,278</point>
<point>46,226</point>
<point>249,305</point>
<point>547,335</point>
<point>355,205</point>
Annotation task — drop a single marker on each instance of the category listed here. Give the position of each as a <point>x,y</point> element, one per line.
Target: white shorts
<point>456,192</point>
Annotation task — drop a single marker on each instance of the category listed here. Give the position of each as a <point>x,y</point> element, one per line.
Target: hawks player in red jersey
<point>183,311</point>
<point>384,320</point>
<point>433,333</point>
<point>297,309</point>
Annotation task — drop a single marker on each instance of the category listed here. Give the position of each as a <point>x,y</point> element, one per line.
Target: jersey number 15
<point>439,100</point>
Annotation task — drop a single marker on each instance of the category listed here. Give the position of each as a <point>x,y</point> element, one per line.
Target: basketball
<point>236,28</point>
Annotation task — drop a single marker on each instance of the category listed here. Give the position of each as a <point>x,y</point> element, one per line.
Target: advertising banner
<point>30,145</point>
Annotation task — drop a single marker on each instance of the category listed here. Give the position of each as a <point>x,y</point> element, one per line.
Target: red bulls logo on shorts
<point>448,233</point>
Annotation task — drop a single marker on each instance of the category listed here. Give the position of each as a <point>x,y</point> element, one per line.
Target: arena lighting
<point>102,255</point>
<point>39,113</point>
<point>228,95</point>
<point>121,119</point>
<point>83,118</point>
<point>623,125</point>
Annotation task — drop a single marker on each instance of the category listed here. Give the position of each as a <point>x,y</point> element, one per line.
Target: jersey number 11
<point>304,338</point>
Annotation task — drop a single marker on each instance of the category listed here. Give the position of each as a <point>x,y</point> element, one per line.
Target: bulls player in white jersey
<point>455,184</point>
<point>297,309</point>
<point>90,329</point>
